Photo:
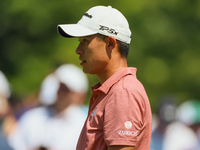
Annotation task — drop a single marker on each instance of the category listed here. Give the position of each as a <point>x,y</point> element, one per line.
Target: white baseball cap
<point>99,19</point>
<point>69,74</point>
<point>49,89</point>
<point>73,77</point>
<point>4,85</point>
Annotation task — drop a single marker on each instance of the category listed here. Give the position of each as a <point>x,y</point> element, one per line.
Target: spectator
<point>189,114</point>
<point>171,134</point>
<point>56,124</point>
<point>5,127</point>
<point>165,115</point>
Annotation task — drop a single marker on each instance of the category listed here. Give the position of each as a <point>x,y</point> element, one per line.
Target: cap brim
<point>74,30</point>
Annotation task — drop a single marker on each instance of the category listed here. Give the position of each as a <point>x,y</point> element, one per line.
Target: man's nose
<point>79,50</point>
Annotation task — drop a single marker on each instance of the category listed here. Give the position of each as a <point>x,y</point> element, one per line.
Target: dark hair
<point>123,47</point>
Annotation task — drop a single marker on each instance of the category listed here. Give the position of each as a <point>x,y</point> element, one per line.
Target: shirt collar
<point>114,78</point>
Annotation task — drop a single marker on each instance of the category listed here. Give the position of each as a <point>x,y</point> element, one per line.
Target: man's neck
<point>111,69</point>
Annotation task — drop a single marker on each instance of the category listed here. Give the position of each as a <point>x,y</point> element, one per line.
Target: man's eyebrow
<point>79,38</point>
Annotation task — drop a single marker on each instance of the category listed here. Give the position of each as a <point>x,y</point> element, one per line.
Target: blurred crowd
<point>56,120</point>
<point>176,127</point>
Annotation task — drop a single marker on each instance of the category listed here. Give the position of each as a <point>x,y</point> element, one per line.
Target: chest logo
<point>94,112</point>
<point>128,124</point>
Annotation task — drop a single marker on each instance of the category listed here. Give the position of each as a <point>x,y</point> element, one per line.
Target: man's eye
<point>85,40</point>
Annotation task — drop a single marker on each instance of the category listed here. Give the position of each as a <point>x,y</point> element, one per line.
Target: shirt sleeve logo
<point>128,124</point>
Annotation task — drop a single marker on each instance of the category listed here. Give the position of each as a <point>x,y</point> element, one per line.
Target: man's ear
<point>112,42</point>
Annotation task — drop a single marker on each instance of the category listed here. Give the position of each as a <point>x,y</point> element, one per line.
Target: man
<point>119,115</point>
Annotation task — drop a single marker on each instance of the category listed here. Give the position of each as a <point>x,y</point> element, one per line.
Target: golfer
<point>119,116</point>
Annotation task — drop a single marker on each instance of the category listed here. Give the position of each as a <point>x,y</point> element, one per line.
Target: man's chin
<point>86,71</point>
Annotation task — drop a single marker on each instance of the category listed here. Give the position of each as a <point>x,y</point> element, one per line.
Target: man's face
<point>93,54</point>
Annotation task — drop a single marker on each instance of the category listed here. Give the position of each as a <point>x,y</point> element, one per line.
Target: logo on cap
<point>87,15</point>
<point>109,30</point>
<point>128,124</point>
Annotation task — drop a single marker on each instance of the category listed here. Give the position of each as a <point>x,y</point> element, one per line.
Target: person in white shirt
<point>56,124</point>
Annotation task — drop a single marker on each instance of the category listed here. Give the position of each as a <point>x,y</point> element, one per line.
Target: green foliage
<point>164,48</point>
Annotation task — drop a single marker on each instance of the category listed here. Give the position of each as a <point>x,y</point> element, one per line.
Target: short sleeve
<point>123,117</point>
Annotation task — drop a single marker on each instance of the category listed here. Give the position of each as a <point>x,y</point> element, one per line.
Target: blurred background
<point>165,46</point>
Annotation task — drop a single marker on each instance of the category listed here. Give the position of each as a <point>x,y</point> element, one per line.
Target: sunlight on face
<point>92,53</point>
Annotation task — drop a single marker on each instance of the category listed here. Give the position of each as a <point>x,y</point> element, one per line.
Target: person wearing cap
<point>119,114</point>
<point>57,122</point>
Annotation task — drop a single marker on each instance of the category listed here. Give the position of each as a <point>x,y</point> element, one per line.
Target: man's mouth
<point>83,62</point>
